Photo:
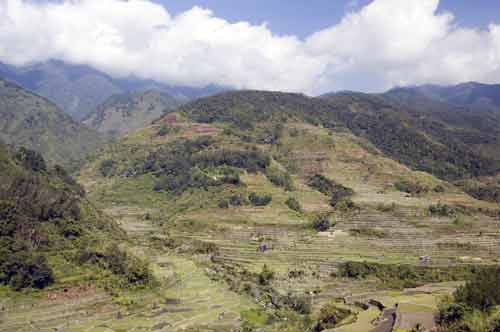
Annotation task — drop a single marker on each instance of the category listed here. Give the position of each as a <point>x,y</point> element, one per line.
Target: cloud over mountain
<point>386,43</point>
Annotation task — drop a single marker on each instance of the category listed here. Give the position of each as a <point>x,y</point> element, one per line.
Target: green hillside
<point>265,211</point>
<point>51,234</point>
<point>33,122</point>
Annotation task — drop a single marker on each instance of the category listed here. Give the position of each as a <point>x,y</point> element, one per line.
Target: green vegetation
<point>329,316</point>
<point>406,276</point>
<point>24,270</point>
<point>133,271</point>
<point>321,223</point>
<point>280,178</point>
<point>260,200</point>
<point>473,305</point>
<point>411,187</point>
<point>442,210</point>
<point>293,204</point>
<point>265,276</point>
<point>41,210</point>
<point>30,121</point>
<point>338,192</point>
<point>107,168</point>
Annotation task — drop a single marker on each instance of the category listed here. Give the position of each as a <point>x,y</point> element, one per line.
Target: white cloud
<point>386,43</point>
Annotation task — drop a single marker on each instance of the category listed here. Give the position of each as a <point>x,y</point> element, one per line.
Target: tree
<point>321,223</point>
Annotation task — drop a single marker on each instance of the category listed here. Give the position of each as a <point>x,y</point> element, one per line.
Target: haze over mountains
<point>79,89</point>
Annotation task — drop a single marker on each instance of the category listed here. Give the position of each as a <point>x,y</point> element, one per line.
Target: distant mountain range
<point>79,89</point>
<point>121,114</point>
<point>31,121</point>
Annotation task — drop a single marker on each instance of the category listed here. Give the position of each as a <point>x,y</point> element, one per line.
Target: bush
<point>265,276</point>
<point>481,292</point>
<point>451,313</point>
<point>321,223</point>
<point>31,160</point>
<point>280,179</point>
<point>224,204</point>
<point>131,269</point>
<point>330,316</point>
<point>410,187</point>
<point>260,200</point>
<point>293,204</point>
<point>236,200</point>
<point>164,130</point>
<point>180,182</point>
<point>24,270</point>
<point>322,184</point>
<point>107,168</point>
<point>442,210</point>
<point>299,304</point>
<point>329,187</point>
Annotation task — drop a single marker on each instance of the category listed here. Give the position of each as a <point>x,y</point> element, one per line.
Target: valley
<point>270,212</point>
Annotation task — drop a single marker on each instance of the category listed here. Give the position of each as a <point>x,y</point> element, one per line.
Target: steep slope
<point>79,89</point>
<point>31,121</point>
<point>122,114</point>
<point>413,136</point>
<point>43,213</point>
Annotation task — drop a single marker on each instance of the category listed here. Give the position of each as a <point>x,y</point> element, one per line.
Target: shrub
<point>293,204</point>
<point>31,160</point>
<point>451,313</point>
<point>265,276</point>
<point>24,270</point>
<point>164,130</point>
<point>131,269</point>
<point>442,210</point>
<point>321,223</point>
<point>438,189</point>
<point>322,184</point>
<point>330,316</point>
<point>410,187</point>
<point>344,205</point>
<point>280,179</point>
<point>481,292</point>
<point>107,167</point>
<point>260,200</point>
<point>224,204</point>
<point>299,304</point>
<point>236,200</point>
<point>329,187</point>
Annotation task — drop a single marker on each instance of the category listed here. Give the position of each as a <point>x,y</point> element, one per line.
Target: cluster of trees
<point>396,128</point>
<point>472,307</point>
<point>130,269</point>
<point>485,192</point>
<point>31,196</point>
<point>399,276</point>
<point>260,200</point>
<point>23,269</point>
<point>293,204</point>
<point>280,178</point>
<point>191,164</point>
<point>442,210</point>
<point>336,191</point>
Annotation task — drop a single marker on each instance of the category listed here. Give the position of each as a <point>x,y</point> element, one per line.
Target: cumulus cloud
<point>386,43</point>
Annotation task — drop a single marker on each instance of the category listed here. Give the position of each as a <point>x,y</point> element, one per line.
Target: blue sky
<point>301,17</point>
